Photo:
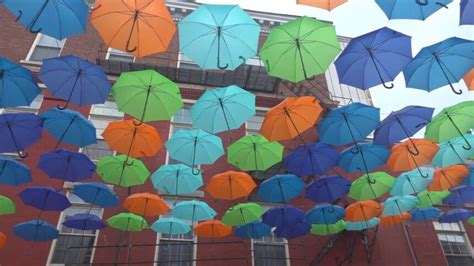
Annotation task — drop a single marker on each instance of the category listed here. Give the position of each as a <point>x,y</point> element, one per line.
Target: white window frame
<point>461,232</point>
<point>111,50</point>
<point>260,112</point>
<point>35,44</point>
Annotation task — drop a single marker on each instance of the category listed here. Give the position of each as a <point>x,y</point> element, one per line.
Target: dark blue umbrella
<point>66,165</point>
<point>36,230</point>
<point>44,198</point>
<point>298,229</point>
<point>280,188</point>
<point>374,58</point>
<point>456,215</point>
<point>411,9</point>
<point>19,131</point>
<point>425,214</point>
<point>327,189</point>
<point>282,216</point>
<point>13,172</point>
<point>17,85</point>
<point>369,157</point>
<point>324,214</point>
<point>467,12</point>
<point>75,80</point>
<point>460,195</point>
<point>84,221</point>
<point>312,159</point>
<point>96,194</point>
<point>253,230</point>
<point>469,180</point>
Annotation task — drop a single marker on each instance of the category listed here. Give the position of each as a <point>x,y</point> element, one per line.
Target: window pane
<point>183,116</point>
<point>178,254</point>
<point>44,52</point>
<point>45,40</point>
<point>109,108</point>
<point>65,254</point>
<point>459,260</point>
<point>269,255</point>
<point>117,55</point>
<point>254,124</point>
<point>98,150</point>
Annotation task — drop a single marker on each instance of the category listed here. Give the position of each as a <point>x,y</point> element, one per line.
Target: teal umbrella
<point>453,152</point>
<point>396,205</point>
<point>171,226</point>
<point>176,179</point>
<point>359,226</point>
<point>412,182</point>
<point>193,210</point>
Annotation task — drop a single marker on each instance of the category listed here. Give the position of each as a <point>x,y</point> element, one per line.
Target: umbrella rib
<point>72,11</point>
<point>152,28</point>
<point>118,31</point>
<point>228,50</point>
<point>19,87</point>
<point>237,39</point>
<point>110,13</point>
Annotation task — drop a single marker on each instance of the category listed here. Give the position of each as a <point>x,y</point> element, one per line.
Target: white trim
<point>122,54</point>
<point>33,47</point>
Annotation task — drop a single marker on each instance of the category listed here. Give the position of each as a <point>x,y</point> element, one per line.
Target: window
<point>455,244</point>
<point>181,120</point>
<point>186,62</point>
<point>45,47</point>
<point>254,124</point>
<point>32,108</point>
<point>117,55</point>
<point>270,251</point>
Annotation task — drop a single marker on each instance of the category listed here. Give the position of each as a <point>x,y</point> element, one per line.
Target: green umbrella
<point>254,152</point>
<point>128,222</point>
<point>147,95</point>
<point>371,186</point>
<point>300,49</point>
<point>471,221</point>
<point>430,198</point>
<point>242,213</point>
<point>7,206</point>
<point>328,229</point>
<point>121,170</point>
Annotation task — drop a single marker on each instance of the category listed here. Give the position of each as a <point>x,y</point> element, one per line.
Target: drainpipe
<point>410,245</point>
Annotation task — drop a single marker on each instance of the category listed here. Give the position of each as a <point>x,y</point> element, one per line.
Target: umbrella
<point>324,4</point>
<point>312,159</point>
<point>411,154</point>
<point>452,152</point>
<point>363,211</point>
<point>374,58</point>
<point>138,27</point>
<point>467,17</point>
<point>328,229</point>
<point>369,157</point>
<point>449,177</point>
<point>171,226</point>
<point>230,185</point>
<point>290,118</point>
<point>146,204</point>
<point>66,165</point>
<point>176,179</point>
<point>58,19</point>
<point>212,229</point>
<point>122,171</point>
<point>327,189</point>
<point>83,221</point>
<point>70,127</point>
<point>44,198</point>
<point>75,80</point>
<point>36,230</point>
<point>242,213</point>
<point>430,198</point>
<point>128,222</point>
<point>19,131</point>
<point>17,85</point>
<point>281,216</point>
<point>469,79</point>
<point>412,182</point>
<point>298,229</point>
<point>455,216</point>
<point>127,137</point>
<point>96,194</point>
<point>440,64</point>
<point>397,205</point>
<point>360,226</point>
<point>403,124</point>
<point>227,34</point>
<point>349,124</point>
<point>254,152</point>
<point>371,186</point>
<point>395,219</point>
<point>468,180</point>
<point>280,188</point>
<point>3,240</point>
<point>300,49</point>
<point>13,172</point>
<point>425,214</point>
<point>223,109</point>
<point>460,195</point>
<point>416,9</point>
<point>324,214</point>
<point>253,230</point>
<point>147,95</point>
<point>7,206</point>
<point>471,221</point>
<point>193,210</point>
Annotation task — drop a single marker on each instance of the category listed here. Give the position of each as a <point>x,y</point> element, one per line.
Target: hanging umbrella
<point>7,206</point>
<point>279,216</point>
<point>328,229</point>
<point>17,85</point>
<point>452,152</point>
<point>467,17</point>
<point>13,172</point>
<point>363,211</point>
<point>280,188</point>
<point>242,213</point>
<point>66,165</point>
<point>122,171</point>
<point>230,185</point>
<point>397,205</point>
<point>349,124</point>
<point>360,226</point>
<point>147,95</point>
<point>449,177</point>
<point>471,221</point>
<point>3,240</point>
<point>146,204</point>
<point>128,222</point>
<point>138,27</point>
<point>253,230</point>
<point>327,189</point>
<point>459,196</point>
<point>84,221</point>
<point>455,216</point>
<point>44,198</point>
<point>469,180</point>
<point>298,229</point>
<point>374,58</point>
<point>324,214</point>
<point>170,226</point>
<point>97,194</point>
<point>469,79</point>
<point>300,49</point>
<point>324,4</point>
<point>371,186</point>
<point>430,198</point>
<point>36,230</point>
<point>19,131</point>
<point>75,80</point>
<point>254,152</point>
<point>290,118</point>
<point>312,159</point>
<point>227,34</point>
<point>395,219</point>
<point>416,9</point>
<point>369,157</point>
<point>441,64</point>
<point>425,214</point>
<point>412,182</point>
<point>193,210</point>
<point>212,229</point>
<point>176,179</point>
<point>411,154</point>
<point>59,19</point>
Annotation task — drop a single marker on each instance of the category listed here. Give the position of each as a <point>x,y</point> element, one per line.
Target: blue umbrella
<point>327,189</point>
<point>359,226</point>
<point>460,196</point>
<point>70,127</point>
<point>66,165</point>
<point>171,226</point>
<point>13,172</point>
<point>412,182</point>
<point>374,58</point>
<point>298,229</point>
<point>44,198</point>
<point>280,188</point>
<point>425,214</point>
<point>193,210</point>
<point>282,216</point>
<point>408,9</point>
<point>467,16</point>
<point>176,179</point>
<point>57,18</point>
<point>440,64</point>
<point>19,131</point>
<point>253,230</point>
<point>17,85</point>
<point>84,221</point>
<point>397,205</point>
<point>456,215</point>
<point>97,194</point>
<point>369,157</point>
<point>453,151</point>
<point>75,80</point>
<point>36,230</point>
<point>349,124</point>
<point>313,159</point>
<point>325,214</point>
<point>469,180</point>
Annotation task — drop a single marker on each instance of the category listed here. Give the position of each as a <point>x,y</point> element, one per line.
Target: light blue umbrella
<point>176,179</point>
<point>452,152</point>
<point>411,9</point>
<point>397,205</point>
<point>253,230</point>
<point>324,214</point>
<point>469,180</point>
<point>412,182</point>
<point>96,194</point>
<point>171,226</point>
<point>193,210</point>
<point>425,214</point>
<point>359,226</point>
<point>367,158</point>
<point>280,188</point>
<point>36,230</point>
<point>13,172</point>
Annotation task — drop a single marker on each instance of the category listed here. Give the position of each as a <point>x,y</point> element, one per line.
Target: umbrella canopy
<point>460,196</point>
<point>449,177</point>
<point>327,189</point>
<point>96,194</point>
<point>402,9</point>
<point>456,215</point>
<point>13,172</point>
<point>467,18</point>
<point>280,188</point>
<point>374,58</point>
<point>324,214</point>
<point>328,229</point>
<point>212,229</point>
<point>17,85</point>
<point>324,4</point>
<point>411,154</point>
<point>66,165</point>
<point>7,206</point>
<point>279,216</point>
<point>312,159</point>
<point>440,64</point>
<point>430,198</point>
<point>412,182</point>
<point>176,179</point>
<point>298,229</point>
<point>171,226</point>
<point>253,230</point>
<point>290,118</point>
<point>127,222</point>
<point>254,152</point>
<point>226,32</point>
<point>300,49</point>
<point>193,210</point>
<point>138,27</point>
<point>371,186</point>
<point>146,204</point>
<point>57,18</point>
<point>242,213</point>
<point>452,152</point>
<point>36,230</point>
<point>395,219</point>
<point>468,180</point>
<point>425,214</point>
<point>84,221</point>
<point>230,185</point>
<point>369,157</point>
<point>471,221</point>
<point>122,171</point>
<point>19,131</point>
<point>147,95</point>
<point>360,226</point>
<point>397,205</point>
<point>363,211</point>
<point>44,198</point>
<point>469,79</point>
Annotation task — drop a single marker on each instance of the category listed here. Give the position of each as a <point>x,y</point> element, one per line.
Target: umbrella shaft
<point>37,15</point>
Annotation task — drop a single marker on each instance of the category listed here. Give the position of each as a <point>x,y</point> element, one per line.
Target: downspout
<point>410,245</point>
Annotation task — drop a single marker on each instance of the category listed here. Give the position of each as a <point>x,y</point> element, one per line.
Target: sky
<point>358,17</point>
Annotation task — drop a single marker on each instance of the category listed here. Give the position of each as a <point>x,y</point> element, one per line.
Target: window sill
<point>33,63</point>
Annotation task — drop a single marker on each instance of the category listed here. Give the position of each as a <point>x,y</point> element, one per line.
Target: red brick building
<point>413,244</point>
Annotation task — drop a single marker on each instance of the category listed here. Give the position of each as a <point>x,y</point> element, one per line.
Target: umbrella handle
<point>469,146</point>
<point>135,19</point>
<point>219,33</point>
<point>422,3</point>
<point>137,124</point>
<point>23,154</point>
<point>357,149</point>
<point>62,107</point>
<point>416,152</point>
<point>388,86</point>
<point>19,15</point>
<point>458,92</point>
<point>95,8</point>
<point>126,163</point>
<point>196,173</point>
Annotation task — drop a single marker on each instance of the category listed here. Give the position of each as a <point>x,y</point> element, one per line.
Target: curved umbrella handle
<point>34,31</point>
<point>63,107</point>
<point>416,152</point>
<point>458,92</point>
<point>389,87</point>
<point>422,3</point>
<point>19,15</point>
<point>95,8</point>
<point>357,149</point>
<point>128,49</point>
<point>23,154</point>
<point>221,67</point>
<point>469,146</point>
<point>126,163</point>
<point>137,124</point>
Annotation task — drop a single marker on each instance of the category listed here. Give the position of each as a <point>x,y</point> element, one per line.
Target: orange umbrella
<point>3,240</point>
<point>212,229</point>
<point>230,185</point>
<point>448,177</point>
<point>146,204</point>
<point>469,79</point>
<point>406,157</point>
<point>134,140</point>
<point>139,27</point>
<point>363,211</point>
<point>291,117</point>
<point>395,219</point>
<point>324,4</point>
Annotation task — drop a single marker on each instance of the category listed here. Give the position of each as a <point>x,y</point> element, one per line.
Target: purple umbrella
<point>44,198</point>
<point>327,189</point>
<point>460,195</point>
<point>282,216</point>
<point>84,221</point>
<point>19,131</point>
<point>298,229</point>
<point>456,215</point>
<point>467,12</point>
<point>66,165</point>
<point>312,159</point>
